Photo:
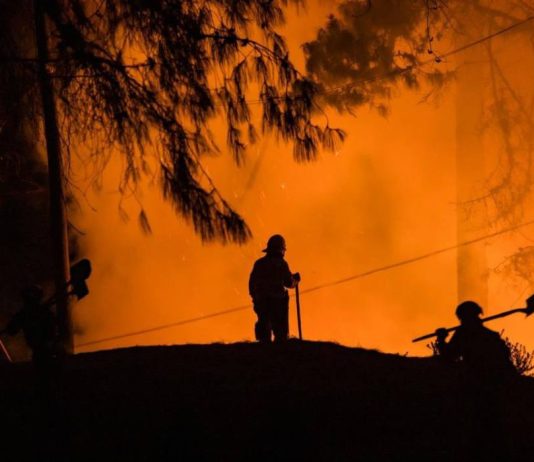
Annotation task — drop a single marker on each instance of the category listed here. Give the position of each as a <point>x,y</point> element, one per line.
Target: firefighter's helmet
<point>276,243</point>
<point>468,310</point>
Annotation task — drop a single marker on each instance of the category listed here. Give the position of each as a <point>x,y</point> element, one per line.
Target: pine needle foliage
<point>136,74</point>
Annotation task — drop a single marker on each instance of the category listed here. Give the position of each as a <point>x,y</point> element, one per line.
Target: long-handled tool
<point>528,311</point>
<point>4,350</point>
<point>297,298</point>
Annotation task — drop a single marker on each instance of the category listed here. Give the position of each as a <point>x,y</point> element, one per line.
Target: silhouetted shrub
<point>522,359</point>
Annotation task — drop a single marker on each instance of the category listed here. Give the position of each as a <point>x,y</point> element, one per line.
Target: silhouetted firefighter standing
<point>480,349</point>
<point>268,283</point>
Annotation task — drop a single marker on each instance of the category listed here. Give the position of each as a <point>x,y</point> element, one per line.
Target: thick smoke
<point>388,195</point>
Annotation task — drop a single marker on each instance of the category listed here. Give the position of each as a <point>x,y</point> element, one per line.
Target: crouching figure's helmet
<point>468,310</point>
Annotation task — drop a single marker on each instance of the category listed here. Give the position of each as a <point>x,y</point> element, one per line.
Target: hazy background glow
<point>387,195</point>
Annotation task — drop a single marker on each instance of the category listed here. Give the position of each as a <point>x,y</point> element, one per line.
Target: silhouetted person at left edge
<point>268,283</point>
<point>50,439</point>
<point>38,324</point>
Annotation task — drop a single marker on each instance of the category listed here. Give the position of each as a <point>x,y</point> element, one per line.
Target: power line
<point>433,60</point>
<point>311,289</point>
<point>397,72</point>
<point>415,259</point>
<point>167,326</point>
<point>487,37</point>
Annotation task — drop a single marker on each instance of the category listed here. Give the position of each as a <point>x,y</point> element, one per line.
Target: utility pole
<point>58,218</point>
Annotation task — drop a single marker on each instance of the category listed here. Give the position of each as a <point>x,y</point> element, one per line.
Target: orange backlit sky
<point>387,195</point>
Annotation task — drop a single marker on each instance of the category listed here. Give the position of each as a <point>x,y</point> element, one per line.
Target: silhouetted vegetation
<point>367,49</point>
<point>522,358</point>
<point>371,49</point>
<point>146,79</point>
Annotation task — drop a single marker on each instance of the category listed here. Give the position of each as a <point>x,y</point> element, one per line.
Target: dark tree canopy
<point>371,47</point>
<point>368,48</point>
<point>148,77</point>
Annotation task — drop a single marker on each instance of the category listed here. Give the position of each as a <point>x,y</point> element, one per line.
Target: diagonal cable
<point>314,288</point>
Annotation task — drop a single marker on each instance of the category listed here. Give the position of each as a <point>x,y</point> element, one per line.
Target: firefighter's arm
<point>441,342</point>
<point>449,350</point>
<point>290,279</point>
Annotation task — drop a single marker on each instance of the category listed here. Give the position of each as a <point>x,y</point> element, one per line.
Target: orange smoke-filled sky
<point>387,195</point>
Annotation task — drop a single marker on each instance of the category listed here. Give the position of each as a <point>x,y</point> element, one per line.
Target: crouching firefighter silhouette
<point>268,283</point>
<point>482,351</point>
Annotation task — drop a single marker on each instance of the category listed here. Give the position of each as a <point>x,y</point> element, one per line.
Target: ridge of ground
<point>314,401</point>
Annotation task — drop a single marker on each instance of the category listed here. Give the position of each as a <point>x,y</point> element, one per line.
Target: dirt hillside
<point>249,402</point>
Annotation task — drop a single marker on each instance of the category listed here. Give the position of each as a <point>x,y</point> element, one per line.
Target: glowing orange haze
<point>389,194</point>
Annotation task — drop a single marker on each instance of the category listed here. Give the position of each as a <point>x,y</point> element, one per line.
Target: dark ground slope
<point>248,402</point>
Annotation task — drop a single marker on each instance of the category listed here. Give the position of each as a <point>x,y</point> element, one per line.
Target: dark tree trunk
<point>58,217</point>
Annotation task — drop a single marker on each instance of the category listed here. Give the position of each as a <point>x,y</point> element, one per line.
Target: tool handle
<point>527,311</point>
<point>433,334</point>
<point>5,351</point>
<point>297,297</point>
